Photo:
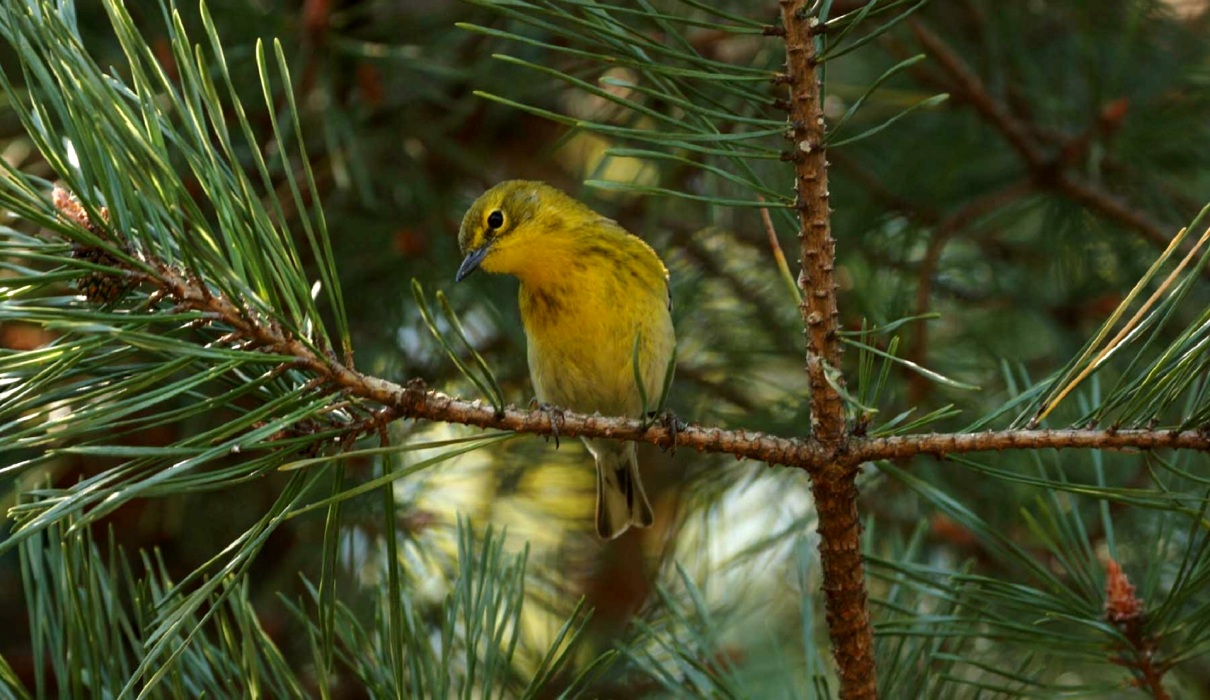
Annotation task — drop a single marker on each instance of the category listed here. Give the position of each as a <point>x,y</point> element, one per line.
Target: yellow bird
<point>597,313</point>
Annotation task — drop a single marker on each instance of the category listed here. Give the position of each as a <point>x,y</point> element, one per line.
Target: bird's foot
<point>556,418</point>
<point>669,420</point>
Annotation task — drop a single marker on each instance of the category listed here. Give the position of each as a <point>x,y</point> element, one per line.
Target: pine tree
<point>243,403</point>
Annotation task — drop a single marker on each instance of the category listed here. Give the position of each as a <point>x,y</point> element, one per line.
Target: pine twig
<point>1125,610</point>
<point>942,444</point>
<point>779,256</point>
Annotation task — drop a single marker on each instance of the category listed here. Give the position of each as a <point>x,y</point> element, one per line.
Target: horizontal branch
<point>942,444</point>
<point>415,401</point>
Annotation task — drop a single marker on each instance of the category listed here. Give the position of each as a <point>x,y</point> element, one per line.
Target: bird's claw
<point>556,418</point>
<point>669,420</point>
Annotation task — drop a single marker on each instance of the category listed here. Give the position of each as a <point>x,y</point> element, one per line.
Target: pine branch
<point>831,454</point>
<point>1048,172</point>
<point>1124,610</point>
<point>942,444</point>
<point>834,484</point>
<point>414,401</point>
<point>818,249</point>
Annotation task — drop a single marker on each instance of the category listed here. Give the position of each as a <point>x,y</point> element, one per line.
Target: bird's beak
<point>471,262</point>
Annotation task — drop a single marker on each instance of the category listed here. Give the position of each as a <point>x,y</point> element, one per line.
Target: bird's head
<point>506,229</point>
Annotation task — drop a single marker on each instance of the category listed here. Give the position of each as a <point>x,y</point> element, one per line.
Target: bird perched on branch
<point>597,313</point>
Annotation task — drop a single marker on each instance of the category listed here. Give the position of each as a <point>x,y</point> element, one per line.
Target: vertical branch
<point>816,279</point>
<point>833,486</point>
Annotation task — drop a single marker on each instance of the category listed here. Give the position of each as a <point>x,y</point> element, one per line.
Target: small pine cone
<point>97,286</point>
<point>1122,606</point>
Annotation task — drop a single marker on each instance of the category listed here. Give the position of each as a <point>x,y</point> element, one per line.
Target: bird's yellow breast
<point>583,315</point>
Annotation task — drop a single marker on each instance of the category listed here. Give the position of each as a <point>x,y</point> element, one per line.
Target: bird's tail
<point>621,501</point>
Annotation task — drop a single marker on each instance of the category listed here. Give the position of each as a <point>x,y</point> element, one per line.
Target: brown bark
<point>833,481</point>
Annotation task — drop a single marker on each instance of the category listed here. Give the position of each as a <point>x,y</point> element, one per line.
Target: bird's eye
<point>495,219</point>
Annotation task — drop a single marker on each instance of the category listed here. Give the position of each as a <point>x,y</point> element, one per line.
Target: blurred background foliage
<point>1009,233</point>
